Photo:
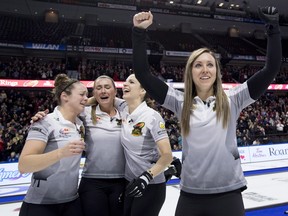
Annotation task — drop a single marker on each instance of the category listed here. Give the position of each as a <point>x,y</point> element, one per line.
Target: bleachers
<point>21,29</point>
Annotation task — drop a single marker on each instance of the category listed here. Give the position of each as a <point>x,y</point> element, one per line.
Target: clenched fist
<point>143,20</point>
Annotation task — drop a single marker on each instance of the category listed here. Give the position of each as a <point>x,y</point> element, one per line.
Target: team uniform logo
<point>35,129</point>
<point>81,131</point>
<point>137,131</point>
<point>119,122</point>
<point>64,132</point>
<point>162,125</point>
<point>162,128</point>
<point>214,107</point>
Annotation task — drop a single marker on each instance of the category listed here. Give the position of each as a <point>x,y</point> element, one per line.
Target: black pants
<point>149,204</point>
<point>72,208</point>
<point>101,197</point>
<point>222,204</point>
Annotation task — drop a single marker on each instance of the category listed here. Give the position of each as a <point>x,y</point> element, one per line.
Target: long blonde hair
<point>222,104</point>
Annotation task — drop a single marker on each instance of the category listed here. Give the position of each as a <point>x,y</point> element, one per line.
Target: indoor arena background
<point>42,38</point>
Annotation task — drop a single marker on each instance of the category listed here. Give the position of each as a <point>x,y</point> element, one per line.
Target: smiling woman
<point>52,152</point>
<point>147,152</point>
<point>102,180</point>
<point>209,132</point>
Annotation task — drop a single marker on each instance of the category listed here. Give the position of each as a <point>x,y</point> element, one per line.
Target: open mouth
<point>125,90</point>
<point>204,78</point>
<point>104,97</point>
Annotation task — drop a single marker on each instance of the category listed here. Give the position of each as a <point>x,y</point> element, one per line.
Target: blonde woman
<point>212,178</point>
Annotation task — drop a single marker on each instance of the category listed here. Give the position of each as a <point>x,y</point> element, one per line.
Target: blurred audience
<point>264,122</point>
<point>39,68</point>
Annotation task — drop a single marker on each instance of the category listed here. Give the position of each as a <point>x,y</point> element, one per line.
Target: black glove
<point>174,169</point>
<point>137,186</point>
<point>170,172</point>
<point>270,16</point>
<point>178,165</point>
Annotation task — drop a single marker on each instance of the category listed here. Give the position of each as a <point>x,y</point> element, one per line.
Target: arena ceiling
<point>246,4</point>
<point>74,11</point>
<point>253,4</point>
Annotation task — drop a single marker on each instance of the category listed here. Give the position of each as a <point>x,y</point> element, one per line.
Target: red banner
<point>119,84</point>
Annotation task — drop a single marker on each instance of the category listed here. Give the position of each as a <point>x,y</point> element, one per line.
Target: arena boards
<point>267,187</point>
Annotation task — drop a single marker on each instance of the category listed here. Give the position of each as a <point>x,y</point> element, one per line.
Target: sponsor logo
<point>30,83</point>
<point>12,175</point>
<point>90,84</point>
<point>137,131</point>
<point>8,83</point>
<point>48,83</point>
<point>258,153</point>
<point>36,129</point>
<point>162,125</point>
<point>278,152</point>
<point>64,131</point>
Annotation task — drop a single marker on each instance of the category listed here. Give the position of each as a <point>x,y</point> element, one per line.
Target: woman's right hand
<point>74,147</point>
<point>143,20</point>
<point>39,115</point>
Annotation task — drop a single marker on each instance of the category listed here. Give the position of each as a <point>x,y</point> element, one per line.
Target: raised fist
<point>143,19</point>
<point>269,14</point>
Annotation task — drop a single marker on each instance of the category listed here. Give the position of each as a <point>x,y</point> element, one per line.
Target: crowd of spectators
<point>38,68</point>
<point>17,108</point>
<point>264,122</point>
<point>30,68</point>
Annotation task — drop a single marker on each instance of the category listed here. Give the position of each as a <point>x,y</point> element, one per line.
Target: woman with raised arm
<point>212,178</point>
<point>52,152</point>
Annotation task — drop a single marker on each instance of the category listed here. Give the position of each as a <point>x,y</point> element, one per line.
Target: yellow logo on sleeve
<point>162,125</point>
